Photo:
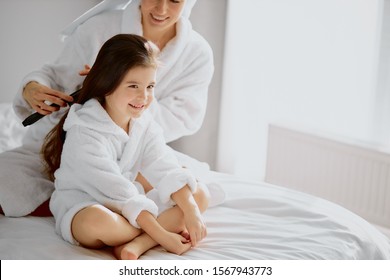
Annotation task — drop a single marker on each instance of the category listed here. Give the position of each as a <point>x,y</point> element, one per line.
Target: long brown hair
<point>116,57</point>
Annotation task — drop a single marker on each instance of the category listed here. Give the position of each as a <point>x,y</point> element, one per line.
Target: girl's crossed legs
<point>96,226</point>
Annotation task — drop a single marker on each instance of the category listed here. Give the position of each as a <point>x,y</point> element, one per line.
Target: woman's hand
<point>39,97</point>
<point>85,71</point>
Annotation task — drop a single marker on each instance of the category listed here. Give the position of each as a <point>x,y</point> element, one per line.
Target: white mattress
<point>257,221</point>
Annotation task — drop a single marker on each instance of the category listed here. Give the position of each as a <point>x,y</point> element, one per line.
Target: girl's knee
<point>93,219</point>
<point>96,225</point>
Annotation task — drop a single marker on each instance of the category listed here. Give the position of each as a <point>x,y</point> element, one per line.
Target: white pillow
<point>11,128</point>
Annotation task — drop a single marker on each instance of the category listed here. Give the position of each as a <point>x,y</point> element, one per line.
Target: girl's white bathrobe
<point>179,107</point>
<point>100,162</point>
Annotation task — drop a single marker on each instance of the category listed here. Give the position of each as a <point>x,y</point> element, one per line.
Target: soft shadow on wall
<point>209,19</point>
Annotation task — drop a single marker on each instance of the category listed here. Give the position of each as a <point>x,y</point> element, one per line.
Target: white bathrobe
<point>182,80</point>
<point>100,162</point>
<point>179,107</point>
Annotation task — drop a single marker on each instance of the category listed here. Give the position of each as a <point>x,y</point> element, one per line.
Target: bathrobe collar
<point>93,116</point>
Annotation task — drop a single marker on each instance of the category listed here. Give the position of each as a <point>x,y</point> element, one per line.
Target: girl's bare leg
<point>172,220</point>
<point>96,226</point>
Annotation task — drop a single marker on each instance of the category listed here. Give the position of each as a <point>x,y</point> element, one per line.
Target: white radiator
<point>353,176</point>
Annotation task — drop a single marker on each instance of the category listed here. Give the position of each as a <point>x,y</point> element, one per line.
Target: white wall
<point>30,36</point>
<point>382,117</point>
<point>311,63</point>
<point>209,19</point>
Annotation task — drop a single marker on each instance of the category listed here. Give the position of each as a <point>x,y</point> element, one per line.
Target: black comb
<point>33,118</point>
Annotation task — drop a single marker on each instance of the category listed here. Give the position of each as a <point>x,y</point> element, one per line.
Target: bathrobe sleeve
<point>79,49</point>
<point>182,106</point>
<point>161,167</point>
<point>88,164</point>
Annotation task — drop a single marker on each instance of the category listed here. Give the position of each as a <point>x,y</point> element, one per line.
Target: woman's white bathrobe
<point>183,77</point>
<point>179,107</point>
<point>100,162</point>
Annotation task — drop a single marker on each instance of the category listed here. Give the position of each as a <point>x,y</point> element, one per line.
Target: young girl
<point>102,143</point>
<point>180,99</point>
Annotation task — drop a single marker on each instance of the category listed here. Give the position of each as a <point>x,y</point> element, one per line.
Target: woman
<point>180,100</point>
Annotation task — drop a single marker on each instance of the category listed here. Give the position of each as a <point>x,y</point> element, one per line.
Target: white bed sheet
<point>257,221</point>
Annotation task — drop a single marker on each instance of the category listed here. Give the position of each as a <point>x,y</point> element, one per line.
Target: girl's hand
<point>85,71</point>
<point>193,219</point>
<point>174,243</point>
<point>195,226</point>
<point>39,97</point>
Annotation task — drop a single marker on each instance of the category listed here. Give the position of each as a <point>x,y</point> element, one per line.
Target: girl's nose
<point>144,94</point>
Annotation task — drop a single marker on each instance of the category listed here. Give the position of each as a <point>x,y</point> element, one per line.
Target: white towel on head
<point>107,5</point>
<point>188,8</point>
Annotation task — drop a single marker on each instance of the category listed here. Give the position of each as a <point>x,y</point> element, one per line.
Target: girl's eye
<point>151,87</point>
<point>175,1</point>
<point>133,86</point>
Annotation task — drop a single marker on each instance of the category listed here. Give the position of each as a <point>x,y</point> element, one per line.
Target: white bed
<point>257,221</point>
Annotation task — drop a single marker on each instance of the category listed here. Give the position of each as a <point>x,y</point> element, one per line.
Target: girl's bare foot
<point>124,252</point>
<point>129,251</point>
<point>135,248</point>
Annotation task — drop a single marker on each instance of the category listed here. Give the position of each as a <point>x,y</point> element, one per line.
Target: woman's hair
<point>116,57</point>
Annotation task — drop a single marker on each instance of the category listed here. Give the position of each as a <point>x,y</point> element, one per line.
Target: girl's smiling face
<point>133,95</point>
